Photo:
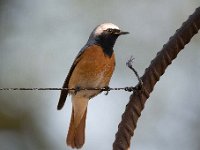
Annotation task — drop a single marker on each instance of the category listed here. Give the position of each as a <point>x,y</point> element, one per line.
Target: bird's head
<point>106,35</point>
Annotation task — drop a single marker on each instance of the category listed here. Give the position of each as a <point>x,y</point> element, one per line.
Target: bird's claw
<point>77,89</point>
<point>107,89</point>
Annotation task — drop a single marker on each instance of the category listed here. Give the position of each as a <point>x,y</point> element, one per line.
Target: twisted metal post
<point>151,76</point>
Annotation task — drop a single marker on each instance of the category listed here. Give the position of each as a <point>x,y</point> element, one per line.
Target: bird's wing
<point>64,93</point>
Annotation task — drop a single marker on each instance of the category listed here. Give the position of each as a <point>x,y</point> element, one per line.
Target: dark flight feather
<point>64,93</point>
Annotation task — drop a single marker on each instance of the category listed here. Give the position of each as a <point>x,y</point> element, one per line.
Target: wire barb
<point>129,63</point>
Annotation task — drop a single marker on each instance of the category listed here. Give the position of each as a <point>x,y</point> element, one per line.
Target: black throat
<point>107,43</point>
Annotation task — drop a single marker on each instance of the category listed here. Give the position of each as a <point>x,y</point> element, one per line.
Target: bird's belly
<point>92,72</point>
<point>91,77</point>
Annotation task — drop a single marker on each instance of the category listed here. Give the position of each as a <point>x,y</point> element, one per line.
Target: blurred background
<point>38,43</point>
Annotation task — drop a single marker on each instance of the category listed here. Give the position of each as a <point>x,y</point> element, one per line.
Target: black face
<point>107,39</point>
<point>112,32</point>
<point>110,35</point>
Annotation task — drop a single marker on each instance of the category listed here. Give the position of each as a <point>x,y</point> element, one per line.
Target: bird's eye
<point>110,30</point>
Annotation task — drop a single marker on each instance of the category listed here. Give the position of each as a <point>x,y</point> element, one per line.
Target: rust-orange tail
<point>76,135</point>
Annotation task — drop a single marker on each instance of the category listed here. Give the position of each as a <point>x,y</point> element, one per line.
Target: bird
<point>92,68</point>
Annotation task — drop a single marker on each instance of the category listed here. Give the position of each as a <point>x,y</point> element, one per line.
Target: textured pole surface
<point>151,76</point>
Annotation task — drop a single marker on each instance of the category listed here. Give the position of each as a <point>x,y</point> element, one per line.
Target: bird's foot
<point>107,89</point>
<point>77,89</point>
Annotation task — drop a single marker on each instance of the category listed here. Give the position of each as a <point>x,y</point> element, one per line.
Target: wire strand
<point>129,89</point>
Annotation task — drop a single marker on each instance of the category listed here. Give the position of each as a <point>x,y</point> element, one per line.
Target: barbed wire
<point>128,89</point>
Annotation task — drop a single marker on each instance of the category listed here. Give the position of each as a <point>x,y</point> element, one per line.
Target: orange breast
<point>93,70</point>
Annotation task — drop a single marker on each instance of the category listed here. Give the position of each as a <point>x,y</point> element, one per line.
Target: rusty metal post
<point>151,76</point>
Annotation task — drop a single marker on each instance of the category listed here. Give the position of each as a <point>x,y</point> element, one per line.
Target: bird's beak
<point>123,32</point>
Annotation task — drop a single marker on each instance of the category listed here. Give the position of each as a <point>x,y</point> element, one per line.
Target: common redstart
<point>92,68</point>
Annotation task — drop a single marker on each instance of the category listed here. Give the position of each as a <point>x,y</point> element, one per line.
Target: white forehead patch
<point>103,27</point>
